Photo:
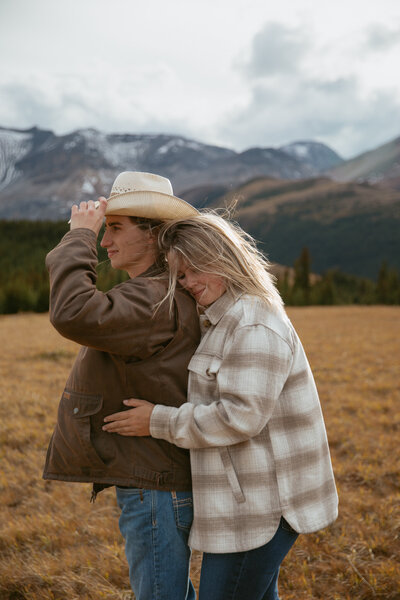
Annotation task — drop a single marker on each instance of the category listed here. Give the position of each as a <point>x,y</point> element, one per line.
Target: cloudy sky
<point>238,73</point>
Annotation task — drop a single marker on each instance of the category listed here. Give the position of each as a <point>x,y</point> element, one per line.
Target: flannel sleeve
<point>251,376</point>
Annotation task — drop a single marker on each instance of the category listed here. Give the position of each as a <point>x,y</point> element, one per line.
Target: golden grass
<point>54,544</point>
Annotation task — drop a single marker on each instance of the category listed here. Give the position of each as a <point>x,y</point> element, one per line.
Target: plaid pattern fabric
<point>255,430</point>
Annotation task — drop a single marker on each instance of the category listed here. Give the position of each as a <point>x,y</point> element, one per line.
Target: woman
<point>260,461</point>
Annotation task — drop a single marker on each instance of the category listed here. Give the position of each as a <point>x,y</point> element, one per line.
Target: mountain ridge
<point>60,170</point>
<point>380,165</point>
<point>287,198</point>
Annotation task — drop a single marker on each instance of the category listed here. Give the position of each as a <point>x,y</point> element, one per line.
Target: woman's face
<point>204,287</point>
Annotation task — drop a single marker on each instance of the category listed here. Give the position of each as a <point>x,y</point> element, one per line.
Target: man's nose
<point>105,240</point>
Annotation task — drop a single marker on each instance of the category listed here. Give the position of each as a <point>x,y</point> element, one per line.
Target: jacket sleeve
<point>118,321</point>
<point>252,374</point>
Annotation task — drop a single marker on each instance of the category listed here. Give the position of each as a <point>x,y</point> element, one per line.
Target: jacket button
<point>76,410</point>
<point>207,323</point>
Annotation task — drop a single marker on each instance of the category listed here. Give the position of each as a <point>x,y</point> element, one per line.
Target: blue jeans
<point>251,575</point>
<point>155,525</point>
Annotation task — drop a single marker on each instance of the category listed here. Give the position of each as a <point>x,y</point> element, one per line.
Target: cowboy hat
<point>136,194</point>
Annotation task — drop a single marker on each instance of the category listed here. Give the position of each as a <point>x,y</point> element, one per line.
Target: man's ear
<point>152,235</point>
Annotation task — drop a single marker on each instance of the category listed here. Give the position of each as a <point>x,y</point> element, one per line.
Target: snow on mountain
<point>39,168</point>
<point>14,145</point>
<point>122,153</point>
<point>301,150</point>
<point>315,154</point>
<point>176,144</point>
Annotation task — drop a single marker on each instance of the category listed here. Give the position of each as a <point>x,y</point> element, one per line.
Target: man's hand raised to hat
<point>88,216</point>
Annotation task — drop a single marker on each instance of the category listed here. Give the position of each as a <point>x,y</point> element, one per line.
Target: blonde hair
<point>211,244</point>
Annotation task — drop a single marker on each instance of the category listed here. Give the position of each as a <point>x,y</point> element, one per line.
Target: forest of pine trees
<point>24,284</point>
<point>336,287</point>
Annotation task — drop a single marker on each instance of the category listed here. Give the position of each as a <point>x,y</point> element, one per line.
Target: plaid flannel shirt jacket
<point>255,430</point>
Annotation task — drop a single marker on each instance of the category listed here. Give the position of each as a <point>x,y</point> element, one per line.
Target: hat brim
<point>149,205</point>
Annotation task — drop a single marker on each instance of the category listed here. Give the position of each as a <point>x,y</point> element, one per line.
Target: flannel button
<point>76,410</point>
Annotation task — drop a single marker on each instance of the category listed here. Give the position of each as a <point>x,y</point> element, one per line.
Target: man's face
<point>129,248</point>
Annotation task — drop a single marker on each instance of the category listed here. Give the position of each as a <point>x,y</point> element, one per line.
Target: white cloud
<point>381,37</point>
<point>334,112</point>
<point>66,102</point>
<point>276,49</point>
<point>304,87</point>
<point>221,72</point>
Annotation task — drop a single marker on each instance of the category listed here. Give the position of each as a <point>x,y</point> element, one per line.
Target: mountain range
<point>42,174</point>
<point>301,194</point>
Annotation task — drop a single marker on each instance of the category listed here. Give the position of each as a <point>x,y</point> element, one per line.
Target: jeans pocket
<point>183,509</point>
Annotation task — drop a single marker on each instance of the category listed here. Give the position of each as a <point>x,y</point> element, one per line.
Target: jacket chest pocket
<point>205,365</point>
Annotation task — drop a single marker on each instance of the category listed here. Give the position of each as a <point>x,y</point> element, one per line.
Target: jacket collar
<point>216,311</point>
<point>152,271</point>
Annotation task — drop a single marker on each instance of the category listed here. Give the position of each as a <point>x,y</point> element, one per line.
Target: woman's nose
<point>187,282</point>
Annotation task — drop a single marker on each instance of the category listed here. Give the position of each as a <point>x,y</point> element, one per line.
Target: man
<point>129,350</point>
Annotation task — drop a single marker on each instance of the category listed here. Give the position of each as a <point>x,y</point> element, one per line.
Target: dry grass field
<point>54,544</point>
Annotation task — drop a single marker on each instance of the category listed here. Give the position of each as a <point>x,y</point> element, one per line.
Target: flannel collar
<point>216,311</point>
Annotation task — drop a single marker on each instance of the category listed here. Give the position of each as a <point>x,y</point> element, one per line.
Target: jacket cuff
<point>160,420</point>
<point>81,233</point>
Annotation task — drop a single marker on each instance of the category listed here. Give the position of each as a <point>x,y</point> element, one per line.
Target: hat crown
<point>146,195</point>
<point>134,181</point>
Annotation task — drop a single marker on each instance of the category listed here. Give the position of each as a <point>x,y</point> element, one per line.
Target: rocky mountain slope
<point>302,194</point>
<point>380,166</point>
<point>42,174</point>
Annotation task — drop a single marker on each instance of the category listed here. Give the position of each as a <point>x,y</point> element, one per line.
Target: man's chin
<point>114,263</point>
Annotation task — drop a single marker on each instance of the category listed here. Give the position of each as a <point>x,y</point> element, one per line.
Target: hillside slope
<point>381,165</point>
<point>352,227</point>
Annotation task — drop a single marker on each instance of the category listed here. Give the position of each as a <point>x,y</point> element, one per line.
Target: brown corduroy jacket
<point>127,353</point>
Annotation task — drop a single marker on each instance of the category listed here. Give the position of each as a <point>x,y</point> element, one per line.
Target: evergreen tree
<point>388,285</point>
<point>302,284</point>
<point>283,286</point>
<point>324,291</point>
<point>382,289</point>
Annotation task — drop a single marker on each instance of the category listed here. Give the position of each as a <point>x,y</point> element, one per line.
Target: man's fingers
<point>135,402</point>
<point>119,427</point>
<point>116,424</point>
<point>121,416</point>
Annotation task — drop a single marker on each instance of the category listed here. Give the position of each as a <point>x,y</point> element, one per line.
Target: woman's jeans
<point>156,525</point>
<point>251,575</point>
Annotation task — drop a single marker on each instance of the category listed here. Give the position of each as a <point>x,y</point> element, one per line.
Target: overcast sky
<point>237,73</point>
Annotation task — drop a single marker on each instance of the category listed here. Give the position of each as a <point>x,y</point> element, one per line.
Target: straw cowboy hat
<point>146,195</point>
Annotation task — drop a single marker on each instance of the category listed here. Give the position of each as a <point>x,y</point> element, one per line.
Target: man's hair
<point>152,226</point>
<point>211,244</point>
<point>146,224</point>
